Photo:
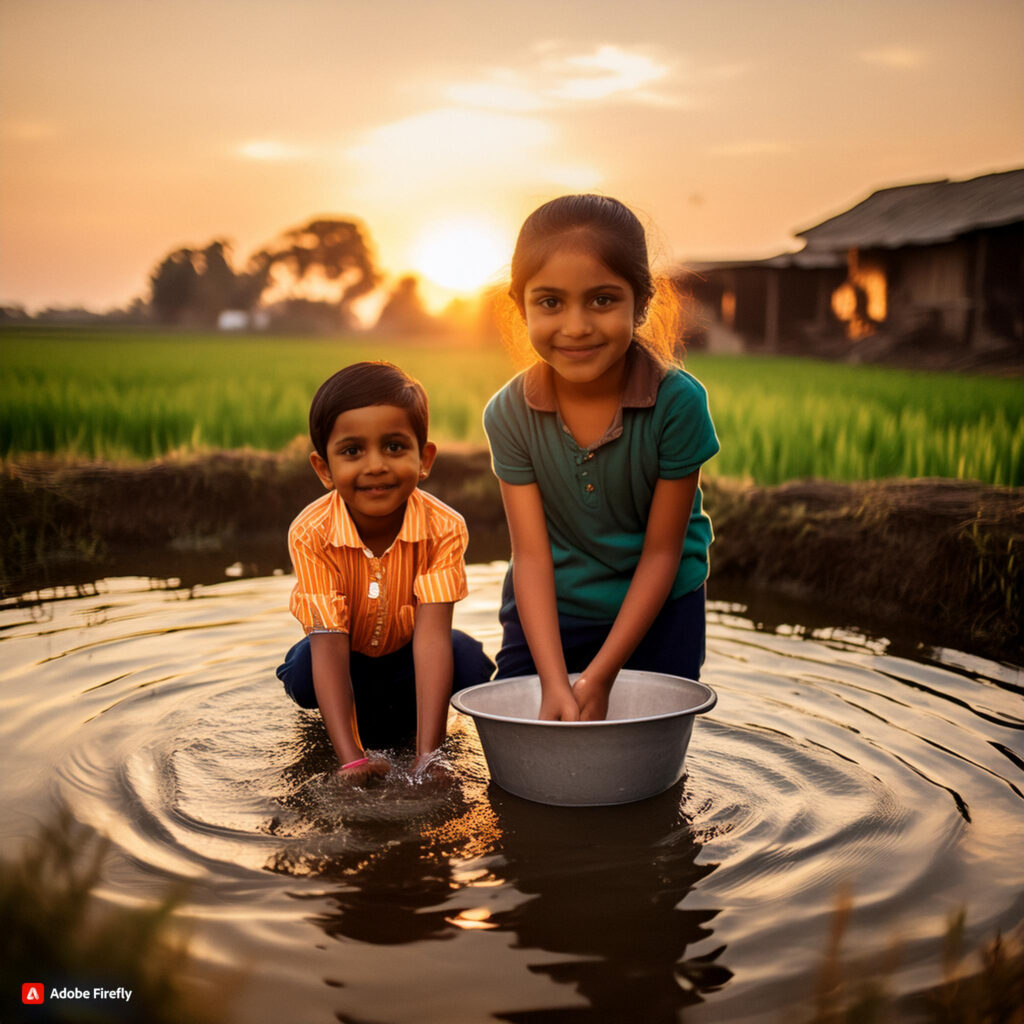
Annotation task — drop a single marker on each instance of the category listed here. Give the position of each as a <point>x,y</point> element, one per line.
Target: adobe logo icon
<point>33,992</point>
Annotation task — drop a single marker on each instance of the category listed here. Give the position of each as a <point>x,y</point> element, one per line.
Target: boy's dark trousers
<point>384,688</point>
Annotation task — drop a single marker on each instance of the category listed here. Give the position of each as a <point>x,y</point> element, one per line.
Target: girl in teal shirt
<point>598,448</point>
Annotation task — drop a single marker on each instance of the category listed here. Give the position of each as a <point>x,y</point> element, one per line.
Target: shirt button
<point>589,488</point>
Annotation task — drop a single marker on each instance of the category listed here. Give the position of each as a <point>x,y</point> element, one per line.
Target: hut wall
<point>1003,284</point>
<point>930,288</point>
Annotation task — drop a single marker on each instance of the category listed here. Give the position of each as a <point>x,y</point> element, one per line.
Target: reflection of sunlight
<point>461,256</point>
<point>472,920</point>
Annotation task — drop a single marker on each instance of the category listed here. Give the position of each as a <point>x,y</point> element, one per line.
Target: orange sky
<point>128,128</point>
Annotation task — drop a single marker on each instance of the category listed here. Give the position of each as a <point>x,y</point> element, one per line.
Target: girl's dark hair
<point>603,226</point>
<point>362,384</point>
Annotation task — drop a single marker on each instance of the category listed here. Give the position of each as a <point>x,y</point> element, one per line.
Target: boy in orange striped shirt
<point>378,564</point>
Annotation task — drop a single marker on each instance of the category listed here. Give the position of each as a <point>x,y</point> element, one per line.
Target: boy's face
<point>374,462</point>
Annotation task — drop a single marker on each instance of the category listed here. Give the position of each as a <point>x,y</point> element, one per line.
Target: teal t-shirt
<point>597,499</point>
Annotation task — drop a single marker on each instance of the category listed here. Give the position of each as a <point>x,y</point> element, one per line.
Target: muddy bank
<point>944,554</point>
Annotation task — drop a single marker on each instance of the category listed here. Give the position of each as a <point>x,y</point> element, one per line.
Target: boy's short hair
<point>370,383</point>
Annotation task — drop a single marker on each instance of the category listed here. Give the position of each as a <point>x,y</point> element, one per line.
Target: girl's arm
<point>652,580</point>
<point>434,665</point>
<point>533,578</point>
<point>333,687</point>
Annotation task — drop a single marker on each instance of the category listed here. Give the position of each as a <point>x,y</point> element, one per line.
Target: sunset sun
<point>460,256</point>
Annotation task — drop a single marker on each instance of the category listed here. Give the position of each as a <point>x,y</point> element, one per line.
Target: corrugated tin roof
<point>805,259</point>
<point>934,211</point>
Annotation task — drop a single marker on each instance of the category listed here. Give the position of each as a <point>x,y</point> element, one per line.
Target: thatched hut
<point>940,262</point>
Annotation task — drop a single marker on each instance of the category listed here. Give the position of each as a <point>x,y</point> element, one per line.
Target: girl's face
<point>579,316</point>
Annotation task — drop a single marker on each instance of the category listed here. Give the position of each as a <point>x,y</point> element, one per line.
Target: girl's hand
<point>357,774</point>
<point>591,695</point>
<point>559,706</point>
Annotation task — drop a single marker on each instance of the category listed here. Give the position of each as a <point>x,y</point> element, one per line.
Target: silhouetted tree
<point>196,285</point>
<point>175,286</point>
<point>215,286</point>
<point>403,313</point>
<point>334,248</point>
<point>303,316</point>
<point>252,281</point>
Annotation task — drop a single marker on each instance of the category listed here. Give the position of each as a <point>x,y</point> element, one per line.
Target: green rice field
<point>120,395</point>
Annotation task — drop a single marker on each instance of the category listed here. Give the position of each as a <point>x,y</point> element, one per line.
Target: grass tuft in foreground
<point>981,987</point>
<point>57,931</point>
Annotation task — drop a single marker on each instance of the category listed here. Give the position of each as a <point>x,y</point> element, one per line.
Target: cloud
<point>499,130</point>
<point>608,71</point>
<point>475,139</point>
<point>453,143</point>
<point>503,90</point>
<point>901,58</point>
<point>269,150</point>
<point>440,149</point>
<point>751,147</point>
<point>726,72</point>
<point>28,131</point>
<point>554,78</point>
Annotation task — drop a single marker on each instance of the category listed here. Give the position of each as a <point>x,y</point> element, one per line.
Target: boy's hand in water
<point>372,767</point>
<point>559,706</point>
<point>591,695</point>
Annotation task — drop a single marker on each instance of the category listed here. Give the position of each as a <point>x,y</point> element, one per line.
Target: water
<point>833,762</point>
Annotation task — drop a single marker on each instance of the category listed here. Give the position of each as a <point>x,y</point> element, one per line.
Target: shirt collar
<point>342,533</point>
<point>644,373</point>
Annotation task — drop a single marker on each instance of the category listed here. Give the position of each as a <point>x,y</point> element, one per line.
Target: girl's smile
<point>580,317</point>
<point>578,353</point>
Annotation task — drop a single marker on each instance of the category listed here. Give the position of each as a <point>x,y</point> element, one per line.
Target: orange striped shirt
<point>342,587</point>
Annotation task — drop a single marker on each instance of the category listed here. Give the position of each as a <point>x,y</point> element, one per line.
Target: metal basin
<point>637,752</point>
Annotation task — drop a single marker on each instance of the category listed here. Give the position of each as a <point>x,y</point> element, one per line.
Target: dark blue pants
<point>674,644</point>
<point>384,688</point>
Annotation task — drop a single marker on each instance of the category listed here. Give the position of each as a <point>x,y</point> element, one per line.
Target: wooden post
<point>771,312</point>
<point>977,321</point>
<point>823,294</point>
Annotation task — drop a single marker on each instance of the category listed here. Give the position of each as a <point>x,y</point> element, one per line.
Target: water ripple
<point>831,763</point>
